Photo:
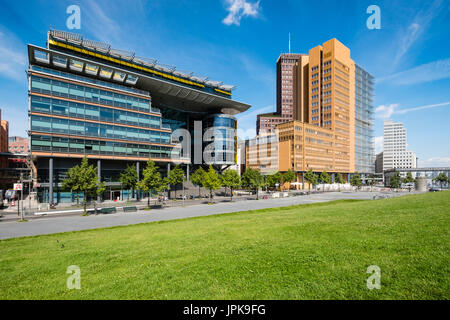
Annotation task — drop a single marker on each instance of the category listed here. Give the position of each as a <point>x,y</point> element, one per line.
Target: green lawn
<point>318,251</point>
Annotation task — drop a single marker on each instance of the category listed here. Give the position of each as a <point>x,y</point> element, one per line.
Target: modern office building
<point>322,135</point>
<point>88,99</point>
<point>364,113</point>
<point>329,91</point>
<point>395,153</point>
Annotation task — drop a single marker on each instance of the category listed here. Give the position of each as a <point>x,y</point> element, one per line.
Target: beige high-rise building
<point>321,135</point>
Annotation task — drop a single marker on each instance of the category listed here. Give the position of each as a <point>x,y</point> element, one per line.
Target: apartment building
<point>395,153</point>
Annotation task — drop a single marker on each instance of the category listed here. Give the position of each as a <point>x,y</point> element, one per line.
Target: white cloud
<point>12,61</point>
<point>238,9</point>
<point>385,111</point>
<point>435,162</point>
<point>432,71</point>
<point>378,144</point>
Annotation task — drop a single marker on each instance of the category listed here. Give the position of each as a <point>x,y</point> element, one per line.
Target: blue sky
<point>238,42</point>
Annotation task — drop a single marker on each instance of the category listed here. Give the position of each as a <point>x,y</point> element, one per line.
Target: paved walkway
<point>49,225</point>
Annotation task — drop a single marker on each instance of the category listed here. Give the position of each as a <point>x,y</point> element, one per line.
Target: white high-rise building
<point>395,153</point>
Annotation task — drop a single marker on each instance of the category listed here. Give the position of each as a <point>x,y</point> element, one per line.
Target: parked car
<point>434,189</point>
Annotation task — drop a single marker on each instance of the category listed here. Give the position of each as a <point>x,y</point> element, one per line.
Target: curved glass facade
<point>220,134</point>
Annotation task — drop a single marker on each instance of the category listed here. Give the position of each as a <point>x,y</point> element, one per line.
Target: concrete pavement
<point>49,225</point>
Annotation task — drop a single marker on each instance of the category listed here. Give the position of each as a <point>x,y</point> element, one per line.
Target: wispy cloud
<point>386,111</point>
<point>432,71</point>
<point>12,60</point>
<point>435,162</point>
<point>416,29</point>
<point>238,9</point>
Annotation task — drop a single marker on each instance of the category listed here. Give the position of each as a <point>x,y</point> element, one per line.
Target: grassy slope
<point>318,251</point>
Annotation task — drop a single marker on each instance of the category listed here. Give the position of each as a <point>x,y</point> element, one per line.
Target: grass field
<point>318,251</point>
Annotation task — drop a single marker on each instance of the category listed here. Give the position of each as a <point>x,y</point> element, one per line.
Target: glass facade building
<point>364,113</point>
<point>87,99</point>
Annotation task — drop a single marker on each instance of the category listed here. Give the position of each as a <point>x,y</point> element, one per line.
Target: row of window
<point>87,111</point>
<point>67,145</point>
<point>88,94</point>
<point>80,128</point>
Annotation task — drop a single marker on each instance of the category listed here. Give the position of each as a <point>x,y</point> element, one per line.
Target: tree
<point>339,178</point>
<point>84,178</point>
<point>176,176</point>
<point>356,180</point>
<point>311,178</point>
<point>441,178</point>
<point>252,178</point>
<point>394,181</point>
<point>325,178</point>
<point>151,179</point>
<point>408,178</point>
<point>128,178</point>
<point>231,179</point>
<point>288,176</point>
<point>211,181</point>
<point>197,178</point>
<point>274,179</point>
<point>72,182</point>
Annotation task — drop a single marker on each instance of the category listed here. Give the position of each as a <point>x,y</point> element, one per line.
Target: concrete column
<point>303,180</point>
<point>348,177</point>
<point>168,187</point>
<point>332,178</point>
<point>50,180</point>
<point>187,172</point>
<point>99,175</point>
<point>138,179</point>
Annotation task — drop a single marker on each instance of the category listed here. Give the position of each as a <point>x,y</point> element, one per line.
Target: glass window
<point>60,107</point>
<point>76,65</point>
<point>76,92</point>
<point>92,112</point>
<point>92,129</point>
<point>60,125</point>
<point>41,124</point>
<point>40,104</point>
<point>106,115</point>
<point>60,88</point>
<point>40,85</point>
<point>77,127</point>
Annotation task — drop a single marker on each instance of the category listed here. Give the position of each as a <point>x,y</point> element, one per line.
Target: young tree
<point>151,179</point>
<point>128,178</point>
<point>176,176</point>
<point>197,178</point>
<point>356,180</point>
<point>441,179</point>
<point>252,178</point>
<point>211,181</point>
<point>394,181</point>
<point>408,178</point>
<point>231,179</point>
<point>288,176</point>
<point>339,178</point>
<point>72,182</point>
<point>274,179</point>
<point>325,178</point>
<point>85,179</point>
<point>311,178</point>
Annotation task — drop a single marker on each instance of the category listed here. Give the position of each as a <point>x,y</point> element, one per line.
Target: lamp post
<point>183,188</point>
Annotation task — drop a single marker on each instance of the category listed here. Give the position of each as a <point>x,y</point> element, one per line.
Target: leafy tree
<point>441,178</point>
<point>197,178</point>
<point>128,178</point>
<point>288,176</point>
<point>151,179</point>
<point>325,177</point>
<point>274,179</point>
<point>72,181</point>
<point>356,180</point>
<point>176,176</point>
<point>84,178</point>
<point>311,178</point>
<point>409,178</point>
<point>252,178</point>
<point>339,178</point>
<point>231,179</point>
<point>211,181</point>
<point>395,180</point>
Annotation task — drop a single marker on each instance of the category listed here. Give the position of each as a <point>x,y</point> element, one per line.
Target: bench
<point>108,210</point>
<point>129,209</point>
